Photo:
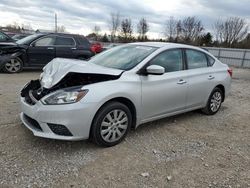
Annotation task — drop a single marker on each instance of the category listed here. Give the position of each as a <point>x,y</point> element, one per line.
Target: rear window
<point>81,40</point>
<point>196,59</point>
<point>210,60</point>
<point>64,41</point>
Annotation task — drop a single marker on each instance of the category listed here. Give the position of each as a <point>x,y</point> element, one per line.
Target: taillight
<point>230,71</point>
<point>93,48</point>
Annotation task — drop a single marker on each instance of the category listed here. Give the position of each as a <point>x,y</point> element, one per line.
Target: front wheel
<point>15,65</point>
<point>111,124</point>
<point>214,102</point>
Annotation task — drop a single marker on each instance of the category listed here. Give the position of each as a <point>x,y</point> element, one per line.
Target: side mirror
<point>155,69</point>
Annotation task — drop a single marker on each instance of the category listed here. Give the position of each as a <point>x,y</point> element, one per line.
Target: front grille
<point>32,122</point>
<point>59,129</point>
<point>28,91</point>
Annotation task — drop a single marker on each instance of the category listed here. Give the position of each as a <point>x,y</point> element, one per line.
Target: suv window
<point>46,41</point>
<point>3,37</point>
<point>82,40</point>
<point>196,59</point>
<point>171,60</point>
<point>64,41</point>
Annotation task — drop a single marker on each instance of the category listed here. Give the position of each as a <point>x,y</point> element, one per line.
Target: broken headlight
<point>64,96</point>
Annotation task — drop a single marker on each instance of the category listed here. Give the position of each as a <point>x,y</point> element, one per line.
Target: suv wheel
<point>111,124</point>
<point>214,102</point>
<point>13,66</point>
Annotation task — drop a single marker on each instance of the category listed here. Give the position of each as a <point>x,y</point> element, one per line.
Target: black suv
<point>35,51</point>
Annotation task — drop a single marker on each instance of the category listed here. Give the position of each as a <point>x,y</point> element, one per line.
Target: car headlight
<point>64,97</point>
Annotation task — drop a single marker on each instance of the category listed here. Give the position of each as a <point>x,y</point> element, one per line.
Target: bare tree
<point>191,29</point>
<point>126,29</point>
<point>230,31</point>
<point>27,27</point>
<point>170,29</point>
<point>178,30</point>
<point>61,29</point>
<point>114,24</point>
<point>143,28</point>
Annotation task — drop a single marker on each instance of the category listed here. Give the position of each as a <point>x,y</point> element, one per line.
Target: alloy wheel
<point>14,65</point>
<point>215,101</point>
<point>114,125</point>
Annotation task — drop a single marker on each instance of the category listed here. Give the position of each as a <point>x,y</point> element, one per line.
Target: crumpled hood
<point>10,44</point>
<point>58,68</point>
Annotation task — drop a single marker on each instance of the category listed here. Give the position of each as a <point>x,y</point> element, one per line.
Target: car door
<point>65,47</point>
<point>41,51</point>
<point>200,78</point>
<point>166,93</point>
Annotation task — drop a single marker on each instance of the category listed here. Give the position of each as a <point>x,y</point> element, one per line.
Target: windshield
<point>123,57</point>
<point>27,40</point>
<point>4,37</point>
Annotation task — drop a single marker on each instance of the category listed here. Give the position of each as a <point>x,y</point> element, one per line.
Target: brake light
<point>230,72</point>
<point>93,48</point>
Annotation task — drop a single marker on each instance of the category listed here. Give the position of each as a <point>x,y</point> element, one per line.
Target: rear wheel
<point>15,65</point>
<point>111,124</point>
<point>214,102</point>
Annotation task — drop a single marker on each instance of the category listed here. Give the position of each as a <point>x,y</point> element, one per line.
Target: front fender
<point>102,92</point>
<point>4,58</point>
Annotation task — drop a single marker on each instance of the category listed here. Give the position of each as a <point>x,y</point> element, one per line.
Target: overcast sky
<point>80,16</point>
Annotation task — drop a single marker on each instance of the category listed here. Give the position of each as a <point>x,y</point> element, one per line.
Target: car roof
<point>167,45</point>
<point>65,34</point>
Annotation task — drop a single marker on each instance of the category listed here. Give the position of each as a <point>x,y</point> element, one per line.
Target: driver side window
<point>46,41</point>
<point>171,60</point>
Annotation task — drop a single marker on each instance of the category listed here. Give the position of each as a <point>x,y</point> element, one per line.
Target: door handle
<point>73,48</point>
<point>50,48</point>
<point>210,77</point>
<point>181,81</point>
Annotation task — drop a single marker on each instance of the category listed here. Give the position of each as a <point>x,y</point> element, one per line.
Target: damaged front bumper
<point>8,53</point>
<point>63,122</point>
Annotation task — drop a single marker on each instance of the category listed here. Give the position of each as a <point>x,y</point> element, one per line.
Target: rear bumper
<point>74,119</point>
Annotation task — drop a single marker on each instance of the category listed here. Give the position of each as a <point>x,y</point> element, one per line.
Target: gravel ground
<point>188,150</point>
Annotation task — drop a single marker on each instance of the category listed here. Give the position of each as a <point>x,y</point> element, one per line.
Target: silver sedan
<point>120,89</point>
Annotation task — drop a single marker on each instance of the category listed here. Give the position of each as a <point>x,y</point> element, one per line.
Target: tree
<point>114,24</point>
<point>206,40</point>
<point>105,38</point>
<point>191,29</point>
<point>142,28</point>
<point>230,31</point>
<point>170,29</point>
<point>14,27</point>
<point>61,29</point>
<point>126,29</point>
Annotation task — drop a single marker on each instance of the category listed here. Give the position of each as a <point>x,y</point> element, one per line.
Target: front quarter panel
<point>127,86</point>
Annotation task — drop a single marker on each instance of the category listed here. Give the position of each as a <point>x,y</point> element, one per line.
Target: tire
<point>15,65</point>
<point>111,124</point>
<point>84,58</point>
<point>214,102</point>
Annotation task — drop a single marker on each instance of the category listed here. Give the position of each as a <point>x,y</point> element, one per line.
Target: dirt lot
<point>189,150</point>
